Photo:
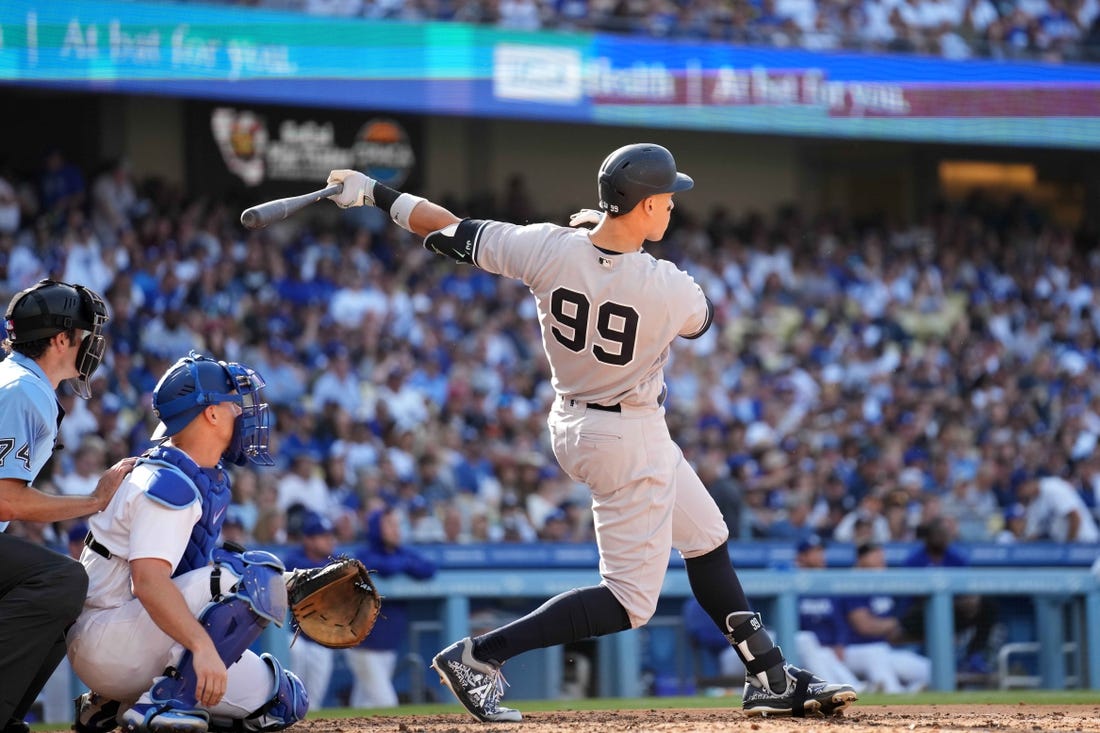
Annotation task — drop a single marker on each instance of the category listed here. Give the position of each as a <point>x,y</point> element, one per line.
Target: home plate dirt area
<point>1021,718</point>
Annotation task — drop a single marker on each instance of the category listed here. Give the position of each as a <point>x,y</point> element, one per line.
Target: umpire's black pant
<point>41,593</point>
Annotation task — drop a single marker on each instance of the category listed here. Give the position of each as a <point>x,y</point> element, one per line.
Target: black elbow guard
<point>457,241</point>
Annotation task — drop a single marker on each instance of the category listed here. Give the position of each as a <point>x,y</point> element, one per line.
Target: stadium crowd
<point>859,379</point>
<point>1052,30</point>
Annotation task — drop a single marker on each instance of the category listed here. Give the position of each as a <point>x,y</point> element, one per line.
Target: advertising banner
<point>264,152</point>
<point>247,55</point>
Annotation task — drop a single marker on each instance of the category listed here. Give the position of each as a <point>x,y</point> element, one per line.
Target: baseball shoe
<point>805,695</point>
<point>477,685</point>
<point>16,726</point>
<point>94,714</point>
<point>153,717</point>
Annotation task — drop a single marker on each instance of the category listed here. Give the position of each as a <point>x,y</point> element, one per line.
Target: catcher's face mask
<point>251,429</point>
<point>196,382</point>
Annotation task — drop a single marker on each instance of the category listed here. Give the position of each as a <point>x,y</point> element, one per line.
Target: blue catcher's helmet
<point>194,383</point>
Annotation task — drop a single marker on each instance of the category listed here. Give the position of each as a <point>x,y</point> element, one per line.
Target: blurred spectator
<point>1056,511</point>
<point>707,640</point>
<point>1054,31</point>
<point>822,632</point>
<point>89,463</point>
<point>424,525</point>
<point>338,383</point>
<point>555,527</point>
<point>1015,525</point>
<point>874,630</point>
<point>311,661</point>
<point>303,487</point>
<point>61,185</point>
<point>715,473</point>
<point>975,615</point>
<point>971,508</point>
<point>10,210</point>
<point>233,528</point>
<point>114,201</point>
<point>865,523</point>
<point>374,661</point>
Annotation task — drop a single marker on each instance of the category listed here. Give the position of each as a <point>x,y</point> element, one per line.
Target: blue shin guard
<point>233,623</point>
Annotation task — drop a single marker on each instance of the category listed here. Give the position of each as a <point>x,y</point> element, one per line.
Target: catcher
<point>172,653</point>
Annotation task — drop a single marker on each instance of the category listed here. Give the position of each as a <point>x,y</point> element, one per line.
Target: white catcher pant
<point>118,652</point>
<point>373,670</point>
<point>646,498</point>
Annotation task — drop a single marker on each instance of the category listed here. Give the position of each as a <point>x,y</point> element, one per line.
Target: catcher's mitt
<point>335,605</point>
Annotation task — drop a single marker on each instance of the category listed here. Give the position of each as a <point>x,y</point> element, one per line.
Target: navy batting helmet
<point>194,383</point>
<point>47,308</point>
<point>635,172</point>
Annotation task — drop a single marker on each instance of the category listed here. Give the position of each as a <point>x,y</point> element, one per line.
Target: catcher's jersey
<point>28,419</point>
<point>607,318</point>
<point>133,526</point>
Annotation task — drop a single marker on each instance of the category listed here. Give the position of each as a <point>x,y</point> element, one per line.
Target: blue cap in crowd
<point>314,524</point>
<point>809,543</point>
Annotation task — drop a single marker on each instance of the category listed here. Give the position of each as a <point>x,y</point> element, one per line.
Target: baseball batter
<point>609,313</point>
<point>54,335</point>
<point>163,639</point>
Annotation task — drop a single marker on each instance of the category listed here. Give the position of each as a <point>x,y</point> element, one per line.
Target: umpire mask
<point>49,308</point>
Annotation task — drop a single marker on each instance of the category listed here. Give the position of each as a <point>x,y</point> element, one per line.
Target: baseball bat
<point>269,212</point>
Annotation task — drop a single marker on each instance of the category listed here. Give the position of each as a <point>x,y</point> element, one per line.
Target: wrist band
<point>402,209</point>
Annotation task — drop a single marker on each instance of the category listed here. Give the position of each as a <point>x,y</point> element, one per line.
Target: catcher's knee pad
<point>288,704</point>
<point>235,620</point>
<point>261,581</point>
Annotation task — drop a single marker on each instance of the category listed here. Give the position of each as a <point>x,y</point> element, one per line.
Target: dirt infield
<point>866,719</point>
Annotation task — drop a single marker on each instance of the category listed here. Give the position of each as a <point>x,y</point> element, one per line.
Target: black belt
<point>619,408</point>
<point>90,543</point>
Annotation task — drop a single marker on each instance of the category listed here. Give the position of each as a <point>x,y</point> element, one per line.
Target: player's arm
<point>153,586</point>
<point>19,500</point>
<point>868,624</point>
<point>413,213</point>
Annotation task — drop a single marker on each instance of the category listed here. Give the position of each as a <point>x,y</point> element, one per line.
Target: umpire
<point>55,334</point>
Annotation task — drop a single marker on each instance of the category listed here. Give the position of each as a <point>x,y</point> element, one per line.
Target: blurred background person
<point>874,631</point>
<point>1055,511</point>
<point>822,631</point>
<point>374,662</point>
<point>311,661</point>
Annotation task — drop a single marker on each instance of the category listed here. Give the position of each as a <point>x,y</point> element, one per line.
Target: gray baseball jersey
<point>607,318</point>
<point>607,322</point>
